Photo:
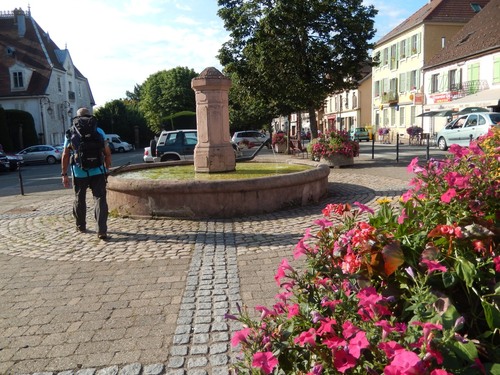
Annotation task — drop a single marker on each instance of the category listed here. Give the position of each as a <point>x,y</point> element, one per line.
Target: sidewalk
<point>152,299</point>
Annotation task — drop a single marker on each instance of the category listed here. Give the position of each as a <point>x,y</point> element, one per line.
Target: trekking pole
<point>114,171</point>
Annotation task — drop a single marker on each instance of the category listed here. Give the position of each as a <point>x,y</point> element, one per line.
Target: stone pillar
<point>214,152</point>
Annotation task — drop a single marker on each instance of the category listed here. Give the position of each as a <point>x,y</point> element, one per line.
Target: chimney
<point>20,20</point>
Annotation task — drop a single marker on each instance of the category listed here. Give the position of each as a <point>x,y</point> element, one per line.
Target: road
<point>42,177</point>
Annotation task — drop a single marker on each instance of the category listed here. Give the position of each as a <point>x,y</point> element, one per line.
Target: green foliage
<point>121,117</point>
<point>293,53</point>
<point>166,93</point>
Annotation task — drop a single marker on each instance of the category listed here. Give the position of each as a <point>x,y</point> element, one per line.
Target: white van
<point>116,144</point>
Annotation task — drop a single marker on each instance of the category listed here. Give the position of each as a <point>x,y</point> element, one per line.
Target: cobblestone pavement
<point>151,299</point>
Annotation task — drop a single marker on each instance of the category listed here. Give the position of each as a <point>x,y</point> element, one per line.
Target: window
<point>59,86</point>
<point>415,44</point>
<point>394,55</point>
<point>403,83</point>
<point>452,80</point>
<point>496,70</point>
<point>434,83</point>
<point>414,80</point>
<point>475,7</point>
<point>18,80</point>
<point>354,100</point>
<point>401,116</point>
<point>385,56</point>
<point>376,88</point>
<point>402,49</point>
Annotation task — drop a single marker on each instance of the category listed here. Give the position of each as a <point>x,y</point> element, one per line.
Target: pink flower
<point>323,223</point>
<point>358,343</point>
<point>364,208</point>
<point>433,266</point>
<point>266,361</point>
<point>300,249</point>
<point>455,179</point>
<point>403,216</point>
<point>440,372</point>
<point>326,326</point>
<point>390,348</point>
<point>448,195</point>
<point>496,260</point>
<point>293,311</point>
<point>264,311</point>
<point>404,363</point>
<point>284,266</point>
<point>240,336</point>
<point>308,337</point>
<point>413,167</point>
<point>343,361</point>
<point>334,342</point>
<point>349,329</point>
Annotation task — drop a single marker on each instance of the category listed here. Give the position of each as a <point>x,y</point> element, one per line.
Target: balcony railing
<point>390,97</point>
<point>460,90</point>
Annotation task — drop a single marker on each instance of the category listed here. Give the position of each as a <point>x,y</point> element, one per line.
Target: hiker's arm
<point>64,166</point>
<point>107,156</point>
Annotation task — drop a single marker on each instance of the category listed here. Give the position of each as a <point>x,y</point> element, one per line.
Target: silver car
<point>466,128</point>
<point>250,138</point>
<point>41,153</point>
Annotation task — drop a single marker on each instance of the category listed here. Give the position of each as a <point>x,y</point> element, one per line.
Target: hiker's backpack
<point>87,143</point>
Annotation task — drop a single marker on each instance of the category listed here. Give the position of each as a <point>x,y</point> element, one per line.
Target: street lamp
<point>45,100</point>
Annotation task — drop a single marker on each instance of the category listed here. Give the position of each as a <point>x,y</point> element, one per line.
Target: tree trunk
<point>313,122</point>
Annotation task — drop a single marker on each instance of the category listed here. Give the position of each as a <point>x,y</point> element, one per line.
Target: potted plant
<point>383,134</point>
<point>412,289</point>
<point>335,148</point>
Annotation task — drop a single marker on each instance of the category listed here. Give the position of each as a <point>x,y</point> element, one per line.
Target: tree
<point>294,53</point>
<point>166,93</point>
<point>121,116</point>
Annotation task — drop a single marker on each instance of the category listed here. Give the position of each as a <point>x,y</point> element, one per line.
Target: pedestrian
<point>89,165</point>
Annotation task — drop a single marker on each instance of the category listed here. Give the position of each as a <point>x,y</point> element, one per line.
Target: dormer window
<point>11,51</point>
<point>475,7</point>
<point>17,80</point>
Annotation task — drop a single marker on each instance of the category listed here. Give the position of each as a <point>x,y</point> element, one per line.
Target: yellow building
<point>397,81</point>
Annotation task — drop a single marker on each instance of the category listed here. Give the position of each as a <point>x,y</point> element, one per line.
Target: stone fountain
<point>145,198</point>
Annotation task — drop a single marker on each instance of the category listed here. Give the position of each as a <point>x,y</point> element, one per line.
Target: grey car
<point>466,128</point>
<point>40,154</point>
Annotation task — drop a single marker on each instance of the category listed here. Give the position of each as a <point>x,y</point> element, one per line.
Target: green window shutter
<point>496,70</point>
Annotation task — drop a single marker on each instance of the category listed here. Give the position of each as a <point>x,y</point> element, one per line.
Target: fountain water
<point>225,198</point>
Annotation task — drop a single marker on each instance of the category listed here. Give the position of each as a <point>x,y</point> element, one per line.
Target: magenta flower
<point>496,261</point>
<point>293,310</point>
<point>284,266</point>
<point>240,336</point>
<point>300,249</point>
<point>440,372</point>
<point>404,363</point>
<point>358,343</point>
<point>364,208</point>
<point>308,337</point>
<point>448,195</point>
<point>334,342</point>
<point>343,361</point>
<point>433,266</point>
<point>390,348</point>
<point>349,329</point>
<point>326,326</point>
<point>266,361</point>
<point>403,216</point>
<point>413,167</point>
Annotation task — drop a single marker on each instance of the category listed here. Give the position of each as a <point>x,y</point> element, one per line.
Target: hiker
<point>89,158</point>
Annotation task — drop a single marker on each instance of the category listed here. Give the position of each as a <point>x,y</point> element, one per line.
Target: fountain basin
<point>146,198</point>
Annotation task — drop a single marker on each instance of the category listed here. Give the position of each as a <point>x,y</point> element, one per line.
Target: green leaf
<point>449,317</point>
<point>465,351</point>
<point>492,315</point>
<point>448,279</point>
<point>466,271</point>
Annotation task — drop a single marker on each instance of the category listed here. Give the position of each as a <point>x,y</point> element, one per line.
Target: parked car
<point>175,145</point>
<point>466,128</point>
<point>116,144</point>
<point>359,134</point>
<point>14,161</point>
<point>40,153</point>
<point>250,138</point>
<point>4,163</point>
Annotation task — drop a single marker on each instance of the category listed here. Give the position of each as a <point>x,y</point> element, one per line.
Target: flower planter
<point>280,148</point>
<point>337,160</point>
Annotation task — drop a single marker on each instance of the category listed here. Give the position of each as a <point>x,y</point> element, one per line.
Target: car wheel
<point>51,160</point>
<point>442,144</point>
<point>169,158</point>
<point>121,149</point>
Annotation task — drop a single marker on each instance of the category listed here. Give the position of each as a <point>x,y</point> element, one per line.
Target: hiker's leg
<point>80,204</point>
<point>98,186</point>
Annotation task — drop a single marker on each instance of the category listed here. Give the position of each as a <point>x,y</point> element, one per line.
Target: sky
<point>117,44</point>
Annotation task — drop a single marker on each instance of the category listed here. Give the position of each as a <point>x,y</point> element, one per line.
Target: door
<point>469,130</point>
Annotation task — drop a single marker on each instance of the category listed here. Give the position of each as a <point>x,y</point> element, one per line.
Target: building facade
<point>38,77</point>
<point>397,81</point>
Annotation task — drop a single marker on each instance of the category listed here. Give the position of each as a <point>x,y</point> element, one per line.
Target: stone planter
<point>280,148</point>
<point>337,160</point>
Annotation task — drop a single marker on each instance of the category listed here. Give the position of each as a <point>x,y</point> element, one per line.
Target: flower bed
<point>334,143</point>
<point>413,288</point>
